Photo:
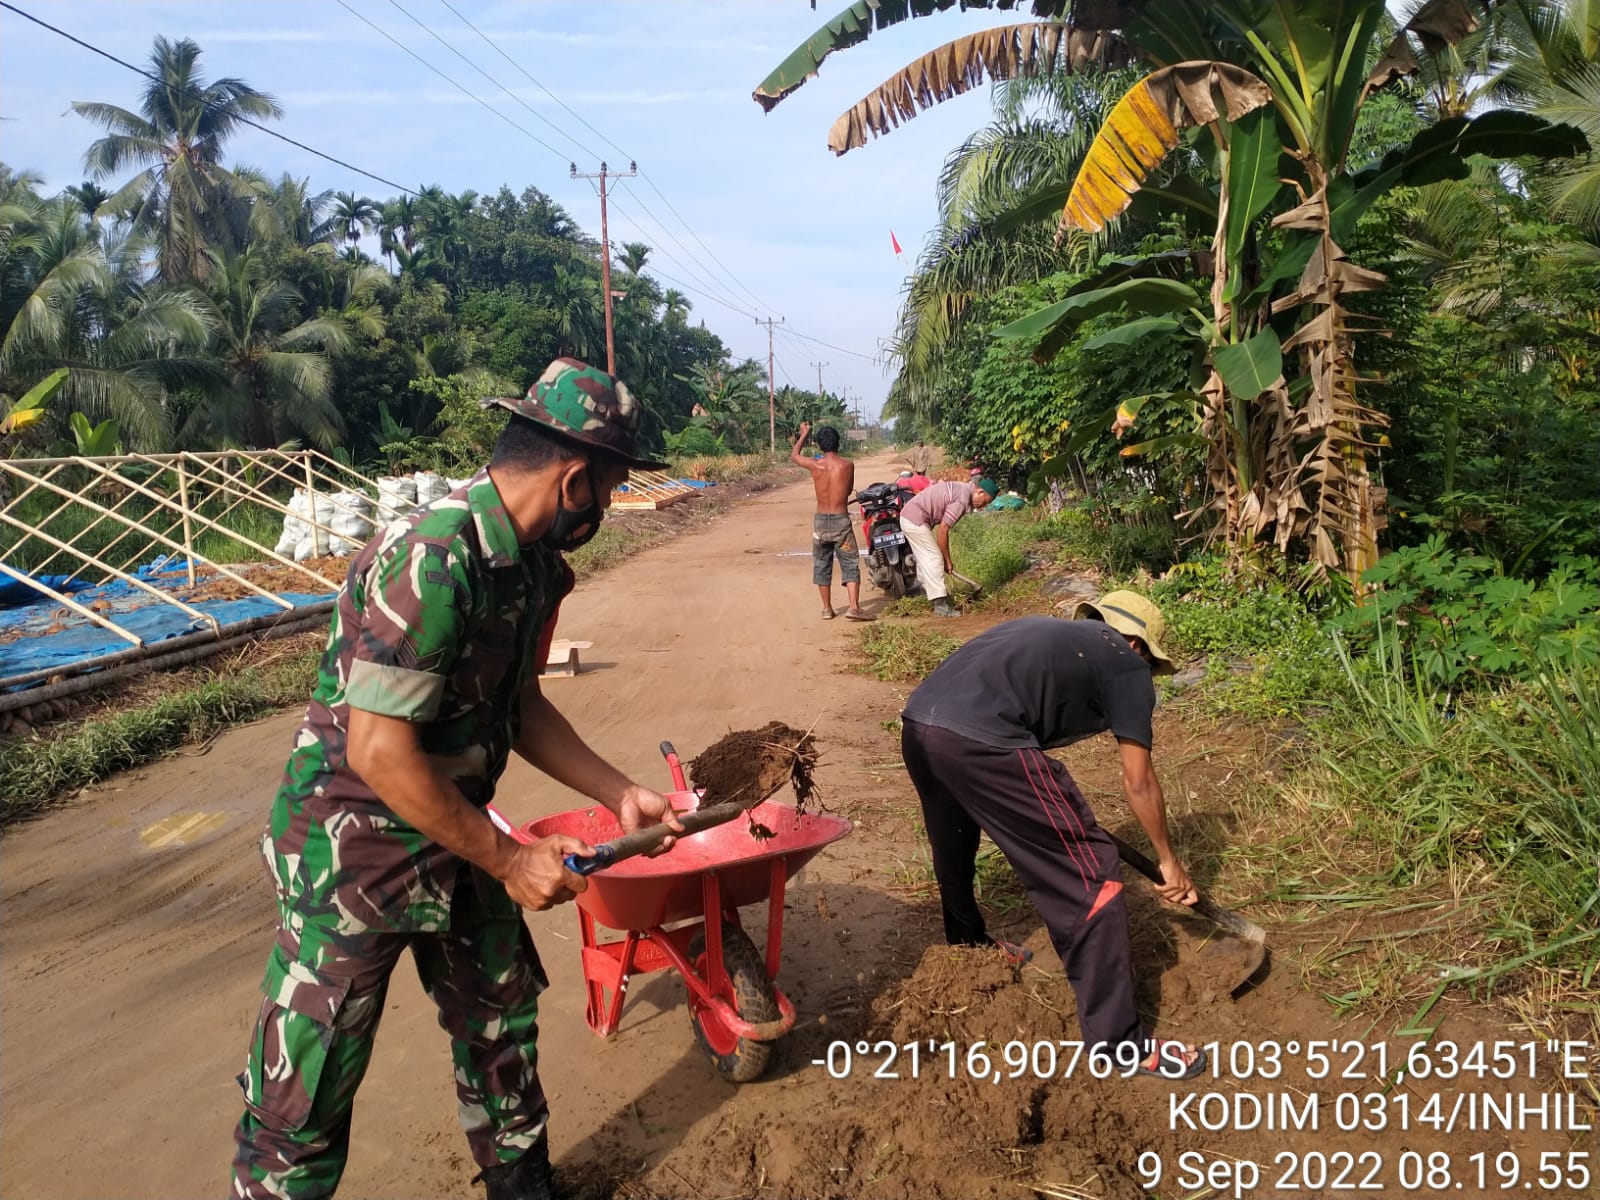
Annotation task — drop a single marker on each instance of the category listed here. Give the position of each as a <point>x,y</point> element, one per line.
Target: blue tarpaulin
<point>41,635</point>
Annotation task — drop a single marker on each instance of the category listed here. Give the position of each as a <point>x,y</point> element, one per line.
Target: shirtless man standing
<point>831,532</point>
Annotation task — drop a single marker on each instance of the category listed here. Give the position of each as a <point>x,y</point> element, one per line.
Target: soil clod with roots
<point>748,765</point>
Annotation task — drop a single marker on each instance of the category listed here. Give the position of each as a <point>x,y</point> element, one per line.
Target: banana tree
<point>1270,93</point>
<point>29,408</point>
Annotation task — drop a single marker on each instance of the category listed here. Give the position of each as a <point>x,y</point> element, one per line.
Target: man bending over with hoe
<point>974,737</point>
<point>832,535</point>
<point>927,520</point>
<point>378,840</point>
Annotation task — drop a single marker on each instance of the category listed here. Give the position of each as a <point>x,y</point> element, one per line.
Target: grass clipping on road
<point>748,765</point>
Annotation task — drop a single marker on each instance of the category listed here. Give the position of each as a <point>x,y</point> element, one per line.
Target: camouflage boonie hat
<point>584,404</point>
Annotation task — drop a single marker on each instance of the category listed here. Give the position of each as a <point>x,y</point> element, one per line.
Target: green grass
<point>904,652</point>
<point>992,547</point>
<point>35,770</point>
<point>724,468</point>
<point>1507,780</point>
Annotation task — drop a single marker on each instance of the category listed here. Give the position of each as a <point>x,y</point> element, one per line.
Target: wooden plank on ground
<point>650,490</point>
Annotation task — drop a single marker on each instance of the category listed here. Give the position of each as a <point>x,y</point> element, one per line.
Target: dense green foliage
<point>1477,358</point>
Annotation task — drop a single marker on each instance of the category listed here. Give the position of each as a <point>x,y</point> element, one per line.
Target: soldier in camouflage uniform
<point>378,839</point>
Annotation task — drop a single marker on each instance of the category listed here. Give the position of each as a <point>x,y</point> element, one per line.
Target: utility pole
<point>772,402</point>
<point>819,367</point>
<point>605,250</point>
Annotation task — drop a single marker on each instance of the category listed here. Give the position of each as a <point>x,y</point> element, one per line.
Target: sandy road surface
<point>136,922</point>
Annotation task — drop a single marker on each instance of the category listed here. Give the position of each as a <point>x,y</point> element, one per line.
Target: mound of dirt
<point>748,765</point>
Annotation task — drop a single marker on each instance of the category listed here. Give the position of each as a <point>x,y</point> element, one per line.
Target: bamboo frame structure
<point>651,490</point>
<point>96,520</point>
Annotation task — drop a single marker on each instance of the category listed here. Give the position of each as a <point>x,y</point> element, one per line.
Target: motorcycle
<point>890,561</point>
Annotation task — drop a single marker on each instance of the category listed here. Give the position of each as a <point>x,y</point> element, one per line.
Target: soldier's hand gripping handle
<point>535,876</point>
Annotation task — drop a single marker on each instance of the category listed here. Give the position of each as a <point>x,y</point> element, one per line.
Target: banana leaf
<point>855,25</point>
<point>1250,367</point>
<point>1051,327</point>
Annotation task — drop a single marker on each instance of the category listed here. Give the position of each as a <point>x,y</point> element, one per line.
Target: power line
<point>839,349</point>
<point>759,303</point>
<point>698,288</point>
<point>448,46</point>
<point>535,82</point>
<point>338,162</point>
<point>678,283</point>
<point>705,287</point>
<point>660,224</point>
<point>460,87</point>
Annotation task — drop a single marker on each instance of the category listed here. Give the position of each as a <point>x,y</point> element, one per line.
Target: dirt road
<point>136,923</point>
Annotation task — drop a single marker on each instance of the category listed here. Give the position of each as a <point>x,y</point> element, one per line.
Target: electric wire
<point>450,47</point>
<point>840,349</point>
<point>704,272</point>
<point>298,145</point>
<point>737,283</point>
<point>701,287</point>
<point>707,288</point>
<point>460,87</point>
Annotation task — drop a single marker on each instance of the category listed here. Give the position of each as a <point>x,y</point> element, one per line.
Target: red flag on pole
<point>894,241</point>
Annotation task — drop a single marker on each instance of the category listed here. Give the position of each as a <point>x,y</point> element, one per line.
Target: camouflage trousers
<point>324,994</point>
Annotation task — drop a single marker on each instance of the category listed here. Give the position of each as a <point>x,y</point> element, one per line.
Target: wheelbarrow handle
<point>1225,919</point>
<point>671,755</point>
<point>640,841</point>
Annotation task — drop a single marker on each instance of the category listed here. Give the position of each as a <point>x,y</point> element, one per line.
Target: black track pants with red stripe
<point>1031,809</point>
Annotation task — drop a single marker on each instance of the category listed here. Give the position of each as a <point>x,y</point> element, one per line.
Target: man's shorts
<point>833,535</point>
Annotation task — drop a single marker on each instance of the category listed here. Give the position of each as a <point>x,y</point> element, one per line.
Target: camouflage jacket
<point>439,622</point>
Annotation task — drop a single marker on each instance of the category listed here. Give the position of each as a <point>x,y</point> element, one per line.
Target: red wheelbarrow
<point>735,1004</point>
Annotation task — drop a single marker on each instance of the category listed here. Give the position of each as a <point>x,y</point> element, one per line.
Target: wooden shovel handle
<point>1225,919</point>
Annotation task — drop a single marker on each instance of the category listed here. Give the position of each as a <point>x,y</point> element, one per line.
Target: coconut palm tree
<point>675,308</point>
<point>293,213</point>
<point>1554,70</point>
<point>354,215</point>
<point>574,296</point>
<point>176,142</point>
<point>68,301</point>
<point>633,256</point>
<point>276,374</point>
<point>90,197</point>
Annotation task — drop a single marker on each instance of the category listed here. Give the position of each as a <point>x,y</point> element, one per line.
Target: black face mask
<point>573,528</point>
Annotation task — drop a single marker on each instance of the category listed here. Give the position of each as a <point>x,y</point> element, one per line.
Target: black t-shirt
<point>1039,681</point>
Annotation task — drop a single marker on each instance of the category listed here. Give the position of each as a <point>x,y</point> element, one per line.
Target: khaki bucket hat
<point>1131,615</point>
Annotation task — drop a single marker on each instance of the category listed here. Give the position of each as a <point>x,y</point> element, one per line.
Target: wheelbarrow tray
<point>642,893</point>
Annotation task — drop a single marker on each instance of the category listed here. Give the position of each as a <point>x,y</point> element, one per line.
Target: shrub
<point>1459,620</point>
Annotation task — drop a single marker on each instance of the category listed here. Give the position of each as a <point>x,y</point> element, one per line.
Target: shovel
<point>976,587</point>
<point>1250,937</point>
<point>642,841</point>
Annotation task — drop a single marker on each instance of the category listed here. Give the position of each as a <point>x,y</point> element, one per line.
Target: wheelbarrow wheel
<point>736,1059</point>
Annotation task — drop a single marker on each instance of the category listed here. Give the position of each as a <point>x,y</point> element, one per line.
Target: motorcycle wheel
<point>895,575</point>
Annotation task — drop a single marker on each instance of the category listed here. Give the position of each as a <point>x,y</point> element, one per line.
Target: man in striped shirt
<point>927,520</point>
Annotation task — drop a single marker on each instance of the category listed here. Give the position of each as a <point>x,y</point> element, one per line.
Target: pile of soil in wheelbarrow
<point>748,765</point>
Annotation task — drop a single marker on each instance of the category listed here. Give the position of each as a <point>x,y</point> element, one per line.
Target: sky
<point>780,227</point>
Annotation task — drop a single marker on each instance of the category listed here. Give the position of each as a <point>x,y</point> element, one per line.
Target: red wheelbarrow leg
<point>780,878</point>
<point>711,892</point>
<point>605,966</point>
